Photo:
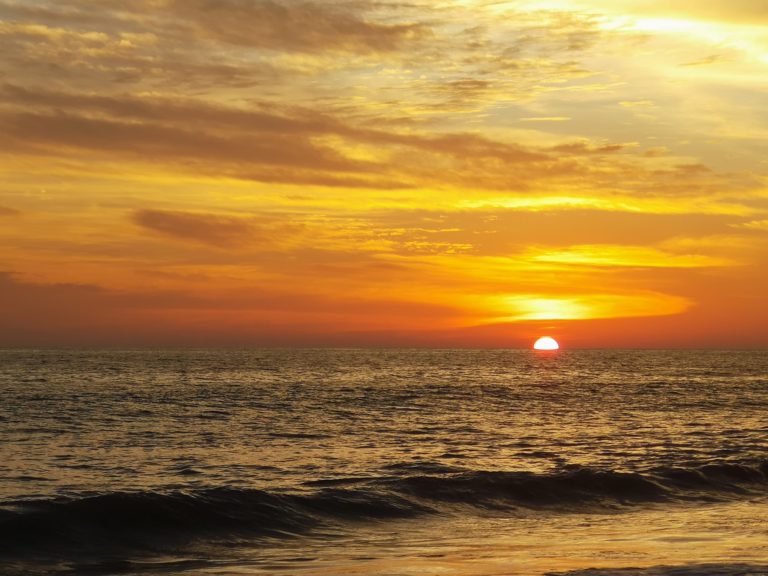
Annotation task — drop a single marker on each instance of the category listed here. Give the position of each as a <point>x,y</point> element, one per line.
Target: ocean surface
<point>384,462</point>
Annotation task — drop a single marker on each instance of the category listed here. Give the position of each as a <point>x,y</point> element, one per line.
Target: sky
<point>473,173</point>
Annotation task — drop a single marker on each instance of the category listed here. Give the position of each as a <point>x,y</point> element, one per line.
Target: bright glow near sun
<point>546,343</point>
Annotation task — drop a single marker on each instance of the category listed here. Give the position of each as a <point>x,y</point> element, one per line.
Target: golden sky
<point>466,173</point>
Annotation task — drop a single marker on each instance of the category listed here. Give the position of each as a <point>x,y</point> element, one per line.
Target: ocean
<point>384,462</point>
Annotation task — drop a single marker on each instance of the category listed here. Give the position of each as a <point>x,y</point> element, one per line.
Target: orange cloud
<point>210,229</point>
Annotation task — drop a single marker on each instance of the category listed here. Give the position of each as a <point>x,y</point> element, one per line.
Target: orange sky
<point>465,173</point>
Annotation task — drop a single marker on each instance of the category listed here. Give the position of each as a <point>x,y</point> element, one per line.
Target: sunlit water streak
<point>383,461</point>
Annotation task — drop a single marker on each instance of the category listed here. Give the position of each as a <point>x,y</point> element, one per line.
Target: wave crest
<point>140,519</point>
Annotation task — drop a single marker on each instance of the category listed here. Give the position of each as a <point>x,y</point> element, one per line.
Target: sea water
<point>347,461</point>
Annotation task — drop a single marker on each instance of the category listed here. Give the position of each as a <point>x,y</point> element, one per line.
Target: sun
<point>546,343</point>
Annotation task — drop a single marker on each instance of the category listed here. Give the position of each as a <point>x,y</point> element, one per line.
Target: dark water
<point>385,462</point>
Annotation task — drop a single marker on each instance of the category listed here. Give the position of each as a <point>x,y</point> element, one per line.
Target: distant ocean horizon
<point>371,347</point>
<point>319,461</point>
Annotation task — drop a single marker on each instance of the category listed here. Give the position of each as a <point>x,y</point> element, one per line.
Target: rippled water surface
<point>384,461</point>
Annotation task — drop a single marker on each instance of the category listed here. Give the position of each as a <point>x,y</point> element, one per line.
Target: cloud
<point>293,25</point>
<point>545,119</point>
<point>741,11</point>
<point>5,211</point>
<point>522,307</point>
<point>578,148</point>
<point>229,154</point>
<point>711,59</point>
<point>755,225</point>
<point>34,314</point>
<point>296,145</point>
<point>280,25</point>
<point>170,110</point>
<point>500,231</point>
<point>221,231</point>
<point>605,255</point>
<point>119,48</point>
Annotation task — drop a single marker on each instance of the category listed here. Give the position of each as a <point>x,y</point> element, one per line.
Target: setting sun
<point>546,343</point>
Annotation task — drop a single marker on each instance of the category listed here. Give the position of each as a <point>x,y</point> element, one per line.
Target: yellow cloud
<point>526,307</point>
<point>756,225</point>
<point>636,256</point>
<point>545,119</point>
<point>637,103</point>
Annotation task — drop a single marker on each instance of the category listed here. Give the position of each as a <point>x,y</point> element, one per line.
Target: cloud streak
<point>293,25</point>
<point>216,230</point>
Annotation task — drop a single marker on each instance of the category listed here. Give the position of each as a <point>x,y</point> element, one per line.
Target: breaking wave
<point>153,518</point>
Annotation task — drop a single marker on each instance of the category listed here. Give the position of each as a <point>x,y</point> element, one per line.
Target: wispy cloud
<point>303,26</point>
<point>207,228</point>
<point>545,119</point>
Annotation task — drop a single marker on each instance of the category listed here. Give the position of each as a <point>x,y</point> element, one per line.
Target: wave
<point>579,488</point>
<point>152,519</point>
<point>141,519</point>
<point>692,569</point>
